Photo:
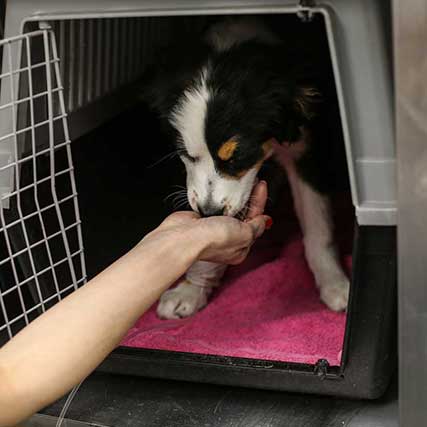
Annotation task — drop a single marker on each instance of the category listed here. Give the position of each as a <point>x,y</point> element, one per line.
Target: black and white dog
<point>230,102</point>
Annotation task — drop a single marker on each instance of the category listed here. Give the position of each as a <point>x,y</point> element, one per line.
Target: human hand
<point>233,238</point>
<point>220,239</point>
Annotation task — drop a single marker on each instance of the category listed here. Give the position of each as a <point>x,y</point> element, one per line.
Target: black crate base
<point>369,354</point>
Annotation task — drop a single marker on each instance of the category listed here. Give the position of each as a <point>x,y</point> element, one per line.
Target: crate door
<point>41,249</point>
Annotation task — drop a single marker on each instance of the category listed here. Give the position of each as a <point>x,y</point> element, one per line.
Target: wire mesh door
<point>41,249</point>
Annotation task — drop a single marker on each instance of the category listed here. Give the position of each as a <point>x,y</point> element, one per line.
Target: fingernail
<point>268,223</point>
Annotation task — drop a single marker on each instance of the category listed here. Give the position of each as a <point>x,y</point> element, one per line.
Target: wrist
<point>187,247</point>
<point>196,241</point>
<point>183,245</point>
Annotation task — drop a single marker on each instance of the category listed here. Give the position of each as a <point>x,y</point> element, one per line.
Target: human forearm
<point>62,347</point>
<point>66,343</point>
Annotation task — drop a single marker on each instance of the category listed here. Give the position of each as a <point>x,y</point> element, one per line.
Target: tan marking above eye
<point>267,148</point>
<point>227,149</point>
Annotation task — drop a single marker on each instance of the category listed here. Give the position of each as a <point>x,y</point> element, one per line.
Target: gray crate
<point>87,58</point>
<point>359,45</point>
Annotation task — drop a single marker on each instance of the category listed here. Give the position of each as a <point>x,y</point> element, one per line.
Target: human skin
<point>65,344</point>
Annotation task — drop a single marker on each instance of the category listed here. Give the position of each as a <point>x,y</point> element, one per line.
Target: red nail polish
<point>268,223</point>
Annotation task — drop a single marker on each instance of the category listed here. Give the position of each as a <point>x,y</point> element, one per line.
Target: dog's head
<point>225,109</point>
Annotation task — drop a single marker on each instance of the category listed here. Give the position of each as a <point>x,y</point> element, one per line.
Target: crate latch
<point>321,368</point>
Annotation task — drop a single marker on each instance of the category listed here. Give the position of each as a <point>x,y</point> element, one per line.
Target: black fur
<point>259,92</point>
<point>173,70</point>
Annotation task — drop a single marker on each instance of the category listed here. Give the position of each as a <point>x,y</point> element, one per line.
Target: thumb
<point>258,224</point>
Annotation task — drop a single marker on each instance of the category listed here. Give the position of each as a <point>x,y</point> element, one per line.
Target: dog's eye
<point>190,158</point>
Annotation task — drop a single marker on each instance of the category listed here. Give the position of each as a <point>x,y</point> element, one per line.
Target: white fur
<point>188,117</point>
<point>204,183</point>
<point>313,211</point>
<point>320,249</point>
<point>191,294</point>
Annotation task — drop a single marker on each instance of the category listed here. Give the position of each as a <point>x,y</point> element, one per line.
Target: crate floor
<point>266,308</point>
<point>121,401</point>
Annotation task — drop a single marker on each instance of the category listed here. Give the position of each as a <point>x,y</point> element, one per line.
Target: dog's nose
<point>208,210</point>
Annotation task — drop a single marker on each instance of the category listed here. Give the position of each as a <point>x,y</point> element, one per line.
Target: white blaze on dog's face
<point>210,193</point>
<point>210,190</point>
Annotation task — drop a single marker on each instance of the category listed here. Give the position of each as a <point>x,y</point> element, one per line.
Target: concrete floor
<point>119,401</point>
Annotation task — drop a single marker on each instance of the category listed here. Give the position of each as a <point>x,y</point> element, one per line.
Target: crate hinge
<point>305,12</point>
<point>45,25</point>
<point>321,368</point>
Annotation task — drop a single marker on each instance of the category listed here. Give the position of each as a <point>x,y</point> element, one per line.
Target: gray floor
<point>119,401</point>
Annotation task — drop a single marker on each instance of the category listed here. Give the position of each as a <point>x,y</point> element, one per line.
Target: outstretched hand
<point>221,239</point>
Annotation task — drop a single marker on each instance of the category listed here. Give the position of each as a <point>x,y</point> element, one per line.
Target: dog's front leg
<point>314,214</point>
<point>320,249</point>
<point>192,293</point>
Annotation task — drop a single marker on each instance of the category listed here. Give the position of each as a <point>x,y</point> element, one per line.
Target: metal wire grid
<point>41,247</point>
<point>98,56</point>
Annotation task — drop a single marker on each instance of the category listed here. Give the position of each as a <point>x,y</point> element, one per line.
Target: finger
<point>258,225</point>
<point>258,200</point>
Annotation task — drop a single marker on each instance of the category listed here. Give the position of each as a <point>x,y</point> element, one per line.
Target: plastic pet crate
<point>66,69</point>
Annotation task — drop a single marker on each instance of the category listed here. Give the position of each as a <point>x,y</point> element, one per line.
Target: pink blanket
<point>267,308</point>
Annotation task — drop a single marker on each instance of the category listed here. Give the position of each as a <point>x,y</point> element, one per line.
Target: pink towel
<point>267,308</point>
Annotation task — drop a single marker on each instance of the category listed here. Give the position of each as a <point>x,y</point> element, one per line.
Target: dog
<point>239,97</point>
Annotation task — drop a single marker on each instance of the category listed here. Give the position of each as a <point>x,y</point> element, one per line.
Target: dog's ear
<point>307,100</point>
<point>170,72</point>
<point>300,106</point>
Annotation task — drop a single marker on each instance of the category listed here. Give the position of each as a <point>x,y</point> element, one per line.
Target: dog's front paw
<point>335,294</point>
<point>183,301</point>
